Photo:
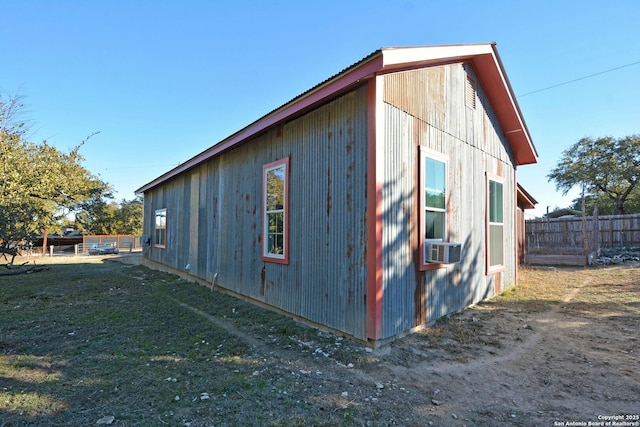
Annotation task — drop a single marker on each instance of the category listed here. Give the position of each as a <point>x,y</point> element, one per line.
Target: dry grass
<point>90,338</point>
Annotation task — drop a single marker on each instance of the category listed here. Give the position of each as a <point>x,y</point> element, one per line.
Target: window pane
<point>276,222</point>
<point>275,189</point>
<point>496,244</point>
<point>434,225</point>
<point>434,184</point>
<point>160,236</point>
<point>161,219</point>
<point>275,234</point>
<point>276,244</point>
<point>495,202</point>
<point>160,232</point>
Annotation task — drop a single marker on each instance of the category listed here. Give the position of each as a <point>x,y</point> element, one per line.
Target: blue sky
<point>164,80</point>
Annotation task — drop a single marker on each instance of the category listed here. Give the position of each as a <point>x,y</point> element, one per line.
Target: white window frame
<point>267,253</point>
<point>160,228</point>
<point>495,218</point>
<point>424,209</point>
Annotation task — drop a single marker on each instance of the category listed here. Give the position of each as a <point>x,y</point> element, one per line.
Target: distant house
<point>375,202</point>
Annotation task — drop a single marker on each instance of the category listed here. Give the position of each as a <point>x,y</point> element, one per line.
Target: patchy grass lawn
<point>86,340</point>
<point>90,339</point>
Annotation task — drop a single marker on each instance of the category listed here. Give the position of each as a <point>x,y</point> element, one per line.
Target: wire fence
<point>86,245</point>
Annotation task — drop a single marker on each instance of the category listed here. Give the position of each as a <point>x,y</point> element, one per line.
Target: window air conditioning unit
<point>442,252</point>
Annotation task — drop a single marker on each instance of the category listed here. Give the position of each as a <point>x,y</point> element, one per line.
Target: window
<point>433,199</point>
<point>160,231</point>
<point>495,240</point>
<point>275,190</point>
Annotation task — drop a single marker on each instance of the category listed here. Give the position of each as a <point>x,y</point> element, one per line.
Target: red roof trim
<point>483,57</point>
<point>525,200</point>
<point>298,105</point>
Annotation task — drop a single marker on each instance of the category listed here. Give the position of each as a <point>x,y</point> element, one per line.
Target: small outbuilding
<point>372,204</point>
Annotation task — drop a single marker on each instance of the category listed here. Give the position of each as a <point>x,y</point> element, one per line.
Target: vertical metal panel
<point>215,217</point>
<point>194,223</point>
<point>326,281</point>
<point>474,145</point>
<point>398,208</point>
<point>420,93</point>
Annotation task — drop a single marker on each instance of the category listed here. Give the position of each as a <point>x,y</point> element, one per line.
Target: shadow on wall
<point>413,297</point>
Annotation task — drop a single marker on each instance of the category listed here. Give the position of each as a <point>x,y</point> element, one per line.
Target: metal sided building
<point>376,202</point>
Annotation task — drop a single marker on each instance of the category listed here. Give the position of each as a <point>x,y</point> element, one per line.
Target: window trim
<point>497,268</point>
<point>266,256</point>
<point>425,152</point>
<point>155,228</point>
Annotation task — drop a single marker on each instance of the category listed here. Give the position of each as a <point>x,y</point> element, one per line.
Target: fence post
<point>75,249</point>
<point>51,250</point>
<point>596,229</point>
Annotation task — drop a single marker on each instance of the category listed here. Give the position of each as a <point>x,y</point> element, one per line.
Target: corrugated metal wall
<point>427,108</point>
<point>214,221</point>
<point>214,211</point>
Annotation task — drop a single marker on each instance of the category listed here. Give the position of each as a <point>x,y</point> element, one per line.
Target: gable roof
<point>483,57</point>
<point>525,200</point>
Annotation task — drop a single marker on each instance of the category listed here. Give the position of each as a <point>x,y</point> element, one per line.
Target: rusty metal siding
<point>474,146</point>
<point>328,215</point>
<point>421,94</point>
<point>214,220</point>
<point>398,195</point>
<point>214,223</point>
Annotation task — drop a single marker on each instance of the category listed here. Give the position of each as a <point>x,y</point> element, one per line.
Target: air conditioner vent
<point>442,252</point>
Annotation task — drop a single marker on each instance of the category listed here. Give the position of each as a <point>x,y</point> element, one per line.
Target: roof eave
<point>505,105</point>
<point>353,75</point>
<point>493,78</point>
<point>484,58</point>
<point>525,199</point>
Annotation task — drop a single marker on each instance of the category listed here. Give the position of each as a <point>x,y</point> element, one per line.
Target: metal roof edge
<point>290,108</point>
<point>387,59</point>
<point>526,197</point>
<point>514,100</point>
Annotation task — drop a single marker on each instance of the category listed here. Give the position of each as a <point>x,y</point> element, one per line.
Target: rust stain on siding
<point>328,193</point>
<point>263,277</point>
<point>498,283</point>
<point>420,93</point>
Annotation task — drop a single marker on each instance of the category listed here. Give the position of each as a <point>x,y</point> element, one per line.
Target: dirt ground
<point>567,357</point>
<point>576,362</point>
<point>560,349</point>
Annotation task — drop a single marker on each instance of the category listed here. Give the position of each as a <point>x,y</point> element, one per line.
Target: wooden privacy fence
<point>579,236</point>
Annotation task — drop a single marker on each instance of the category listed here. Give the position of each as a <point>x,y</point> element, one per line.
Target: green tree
<point>604,167</point>
<point>606,206</point>
<point>129,216</point>
<point>99,216</point>
<point>39,184</point>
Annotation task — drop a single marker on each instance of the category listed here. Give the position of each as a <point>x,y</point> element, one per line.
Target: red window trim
<point>155,214</point>
<point>422,152</point>
<point>266,257</point>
